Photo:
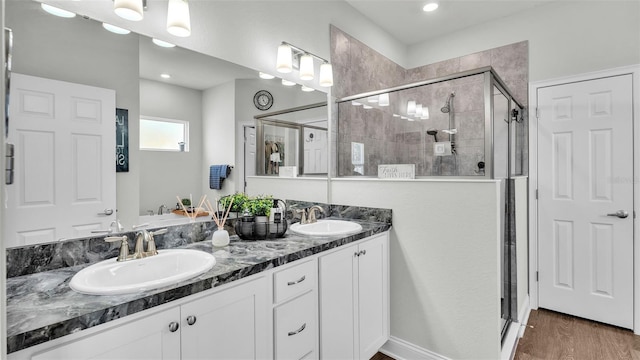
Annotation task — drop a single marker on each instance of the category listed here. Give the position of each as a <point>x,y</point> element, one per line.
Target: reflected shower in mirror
<point>293,138</point>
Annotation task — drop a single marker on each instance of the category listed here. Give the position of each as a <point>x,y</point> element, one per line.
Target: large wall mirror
<point>80,51</point>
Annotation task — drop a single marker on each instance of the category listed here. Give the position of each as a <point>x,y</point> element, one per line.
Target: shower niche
<point>466,125</point>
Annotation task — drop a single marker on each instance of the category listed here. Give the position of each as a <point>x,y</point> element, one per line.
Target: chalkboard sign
<point>122,140</point>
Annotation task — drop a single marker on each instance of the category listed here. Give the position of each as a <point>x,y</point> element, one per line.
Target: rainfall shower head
<point>447,105</point>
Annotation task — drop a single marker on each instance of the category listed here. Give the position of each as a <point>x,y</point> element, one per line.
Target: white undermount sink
<point>111,277</point>
<point>327,227</point>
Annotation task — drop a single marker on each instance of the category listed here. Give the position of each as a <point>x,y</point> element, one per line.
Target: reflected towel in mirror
<point>217,174</point>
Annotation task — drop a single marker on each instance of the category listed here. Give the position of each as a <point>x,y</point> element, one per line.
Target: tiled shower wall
<point>387,139</point>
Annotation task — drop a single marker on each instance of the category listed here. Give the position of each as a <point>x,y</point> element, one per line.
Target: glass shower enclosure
<point>466,125</point>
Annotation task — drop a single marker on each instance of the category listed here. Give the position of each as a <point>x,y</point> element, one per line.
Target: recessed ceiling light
<point>306,88</point>
<point>115,29</point>
<point>355,103</point>
<point>162,43</point>
<point>366,107</point>
<point>165,76</point>
<point>265,76</point>
<point>57,11</point>
<point>287,82</point>
<point>430,6</point>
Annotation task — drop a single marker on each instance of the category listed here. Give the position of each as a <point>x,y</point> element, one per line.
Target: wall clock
<point>263,100</point>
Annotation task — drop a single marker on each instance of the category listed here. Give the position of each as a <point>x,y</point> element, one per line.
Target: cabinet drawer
<point>294,281</point>
<point>296,328</point>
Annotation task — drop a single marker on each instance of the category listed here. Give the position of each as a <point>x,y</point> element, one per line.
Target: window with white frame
<point>164,134</point>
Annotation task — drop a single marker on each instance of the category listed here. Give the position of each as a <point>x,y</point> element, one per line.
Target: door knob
<point>620,213</point>
<point>106,212</point>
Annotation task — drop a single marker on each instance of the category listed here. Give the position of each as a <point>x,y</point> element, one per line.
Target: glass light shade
<point>162,43</point>
<point>265,76</point>
<point>306,88</point>
<point>372,99</point>
<point>284,62</point>
<point>355,103</point>
<point>411,107</point>
<point>418,110</point>
<point>178,18</point>
<point>396,115</point>
<point>326,75</point>
<point>306,67</point>
<point>57,11</point>
<point>165,76</point>
<point>425,113</point>
<point>115,29</point>
<point>383,99</point>
<point>366,107</point>
<point>129,9</point>
<point>287,82</point>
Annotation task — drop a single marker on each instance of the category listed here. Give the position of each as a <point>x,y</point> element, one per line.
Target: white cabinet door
<point>337,317</point>
<point>295,329</point>
<point>231,324</point>
<point>373,296</point>
<point>147,338</point>
<point>354,300</point>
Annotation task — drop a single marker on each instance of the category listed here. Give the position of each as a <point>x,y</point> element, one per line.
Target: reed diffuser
<point>220,236</point>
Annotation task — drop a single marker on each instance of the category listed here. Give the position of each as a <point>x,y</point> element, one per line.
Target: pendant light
<point>326,75</point>
<point>284,61</point>
<point>383,99</point>
<point>306,67</point>
<point>178,19</point>
<point>411,107</point>
<point>129,9</point>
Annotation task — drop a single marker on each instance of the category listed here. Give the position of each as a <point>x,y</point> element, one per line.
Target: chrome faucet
<point>138,251</point>
<point>163,209</point>
<point>312,213</point>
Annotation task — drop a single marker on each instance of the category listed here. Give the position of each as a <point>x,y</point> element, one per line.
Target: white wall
<point>80,51</point>
<point>565,38</point>
<point>165,174</point>
<point>445,292</point>
<point>218,111</point>
<point>303,188</point>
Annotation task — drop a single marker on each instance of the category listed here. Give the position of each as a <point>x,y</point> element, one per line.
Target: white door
<point>315,151</point>
<point>585,173</point>
<point>249,153</point>
<point>64,136</point>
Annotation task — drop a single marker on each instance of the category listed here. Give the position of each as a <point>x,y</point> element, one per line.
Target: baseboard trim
<point>523,316</point>
<point>403,350</point>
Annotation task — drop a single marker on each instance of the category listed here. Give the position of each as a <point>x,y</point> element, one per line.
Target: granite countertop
<point>42,306</point>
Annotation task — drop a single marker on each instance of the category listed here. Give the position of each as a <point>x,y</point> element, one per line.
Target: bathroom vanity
<point>297,297</point>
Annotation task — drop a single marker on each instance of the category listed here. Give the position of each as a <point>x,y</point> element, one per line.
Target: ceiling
<point>188,68</point>
<point>405,20</point>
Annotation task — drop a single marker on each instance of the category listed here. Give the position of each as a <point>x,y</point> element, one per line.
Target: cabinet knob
<point>291,333</point>
<point>191,320</point>
<point>174,326</point>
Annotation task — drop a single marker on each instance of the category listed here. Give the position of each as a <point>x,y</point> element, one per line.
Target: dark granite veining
<point>41,306</point>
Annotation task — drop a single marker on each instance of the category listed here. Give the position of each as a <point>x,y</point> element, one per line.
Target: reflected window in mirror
<point>164,134</point>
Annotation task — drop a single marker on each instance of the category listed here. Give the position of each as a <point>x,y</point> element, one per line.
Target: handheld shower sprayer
<point>447,105</point>
<point>434,133</point>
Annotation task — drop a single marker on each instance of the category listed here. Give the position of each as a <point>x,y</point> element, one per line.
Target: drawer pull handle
<point>297,281</point>
<point>173,326</point>
<point>291,333</point>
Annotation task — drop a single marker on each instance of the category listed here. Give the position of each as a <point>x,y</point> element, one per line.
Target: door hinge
<point>9,164</point>
<point>634,214</point>
<point>537,276</point>
<point>536,194</point>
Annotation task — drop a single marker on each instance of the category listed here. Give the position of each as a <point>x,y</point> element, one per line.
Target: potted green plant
<point>239,203</point>
<point>260,206</point>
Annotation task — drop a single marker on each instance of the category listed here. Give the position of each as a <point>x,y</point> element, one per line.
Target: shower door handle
<point>620,213</point>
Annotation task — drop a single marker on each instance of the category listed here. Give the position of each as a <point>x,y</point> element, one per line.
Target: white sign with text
<point>397,171</point>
